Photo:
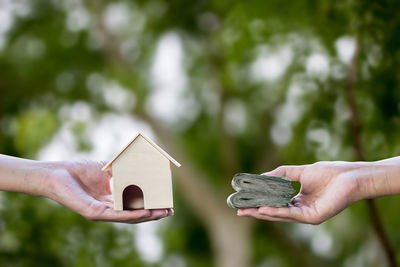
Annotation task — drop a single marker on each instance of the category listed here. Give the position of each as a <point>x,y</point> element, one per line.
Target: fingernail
<point>172,212</point>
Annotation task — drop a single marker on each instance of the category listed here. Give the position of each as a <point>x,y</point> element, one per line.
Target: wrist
<point>358,178</point>
<point>378,179</point>
<point>50,173</point>
<point>28,176</point>
<point>38,178</point>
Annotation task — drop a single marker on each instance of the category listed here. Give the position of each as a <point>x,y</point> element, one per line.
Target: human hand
<point>84,188</point>
<point>327,188</point>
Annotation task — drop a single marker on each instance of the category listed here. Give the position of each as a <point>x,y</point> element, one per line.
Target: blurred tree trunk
<point>230,235</point>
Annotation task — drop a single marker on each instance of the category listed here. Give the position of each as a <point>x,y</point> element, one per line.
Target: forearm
<point>383,178</point>
<point>24,176</point>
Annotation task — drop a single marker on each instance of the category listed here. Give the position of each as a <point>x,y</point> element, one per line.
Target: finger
<point>273,219</point>
<point>123,215</point>
<point>292,212</point>
<point>131,216</point>
<point>158,214</point>
<point>170,212</point>
<point>108,171</point>
<point>291,172</point>
<point>108,200</point>
<point>246,212</point>
<point>255,214</point>
<point>155,215</point>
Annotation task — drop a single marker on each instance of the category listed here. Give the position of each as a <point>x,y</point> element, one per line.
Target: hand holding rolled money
<point>255,190</point>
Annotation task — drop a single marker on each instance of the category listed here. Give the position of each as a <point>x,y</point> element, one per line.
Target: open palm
<point>326,189</point>
<point>84,188</point>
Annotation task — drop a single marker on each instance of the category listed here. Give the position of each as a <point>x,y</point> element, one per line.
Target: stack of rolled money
<point>255,190</point>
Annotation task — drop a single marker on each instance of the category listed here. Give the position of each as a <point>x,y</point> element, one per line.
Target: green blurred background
<point>224,87</point>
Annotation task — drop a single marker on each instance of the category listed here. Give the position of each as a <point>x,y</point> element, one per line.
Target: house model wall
<point>144,164</point>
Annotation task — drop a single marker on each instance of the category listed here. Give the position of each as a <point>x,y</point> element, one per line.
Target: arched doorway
<point>132,198</point>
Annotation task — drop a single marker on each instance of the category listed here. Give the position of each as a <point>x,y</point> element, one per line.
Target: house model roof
<point>165,154</point>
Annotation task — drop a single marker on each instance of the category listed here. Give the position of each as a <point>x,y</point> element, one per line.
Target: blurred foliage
<point>29,144</point>
<point>238,118</point>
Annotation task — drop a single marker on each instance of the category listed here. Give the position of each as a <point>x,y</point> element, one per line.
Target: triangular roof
<point>165,154</point>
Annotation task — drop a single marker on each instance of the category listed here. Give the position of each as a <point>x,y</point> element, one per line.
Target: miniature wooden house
<point>144,167</point>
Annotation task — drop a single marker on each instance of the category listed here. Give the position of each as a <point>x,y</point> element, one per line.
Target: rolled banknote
<point>253,190</point>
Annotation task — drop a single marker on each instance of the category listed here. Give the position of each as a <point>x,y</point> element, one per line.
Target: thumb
<point>103,163</point>
<point>291,172</point>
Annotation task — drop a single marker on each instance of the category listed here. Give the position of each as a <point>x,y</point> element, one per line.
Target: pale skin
<point>81,186</point>
<point>327,188</point>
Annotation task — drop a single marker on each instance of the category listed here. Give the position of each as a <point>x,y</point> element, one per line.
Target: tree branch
<point>359,151</point>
